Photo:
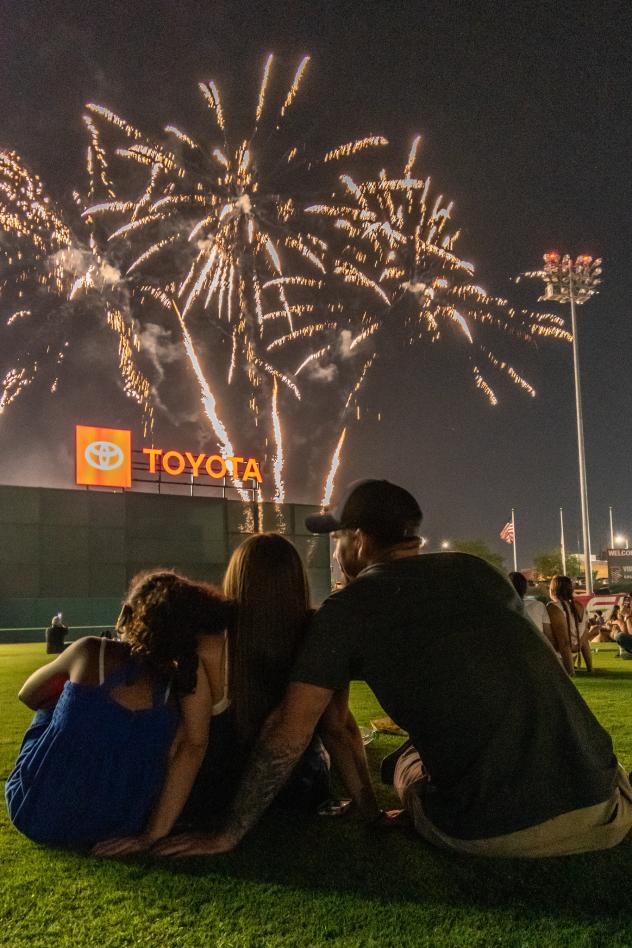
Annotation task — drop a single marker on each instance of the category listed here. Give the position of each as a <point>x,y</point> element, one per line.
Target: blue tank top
<point>89,768</point>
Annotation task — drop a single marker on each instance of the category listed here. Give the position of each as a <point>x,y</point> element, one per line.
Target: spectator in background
<point>55,635</point>
<point>598,631</point>
<point>534,609</point>
<point>604,630</point>
<point>568,624</point>
<point>622,631</point>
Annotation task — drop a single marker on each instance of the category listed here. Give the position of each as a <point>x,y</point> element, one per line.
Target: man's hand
<point>393,819</point>
<point>195,844</point>
<point>123,846</point>
<point>390,820</point>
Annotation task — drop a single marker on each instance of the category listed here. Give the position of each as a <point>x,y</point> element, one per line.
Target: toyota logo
<point>104,455</point>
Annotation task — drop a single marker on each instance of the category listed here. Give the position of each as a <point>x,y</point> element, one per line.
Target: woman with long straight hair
<point>267,583</point>
<point>568,625</point>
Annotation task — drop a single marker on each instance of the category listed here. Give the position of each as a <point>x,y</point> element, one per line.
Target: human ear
<point>363,545</point>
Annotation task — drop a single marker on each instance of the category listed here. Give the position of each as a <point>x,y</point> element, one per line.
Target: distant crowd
<point>570,628</point>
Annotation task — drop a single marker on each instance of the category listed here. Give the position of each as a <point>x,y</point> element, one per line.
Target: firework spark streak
<point>333,468</point>
<point>208,400</point>
<point>279,495</point>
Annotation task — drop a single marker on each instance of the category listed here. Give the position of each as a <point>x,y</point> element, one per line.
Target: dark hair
<point>267,580</point>
<point>162,617</point>
<point>562,589</point>
<point>404,536</point>
<point>519,583</point>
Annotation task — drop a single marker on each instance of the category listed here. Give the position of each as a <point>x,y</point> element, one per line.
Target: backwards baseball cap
<point>381,509</point>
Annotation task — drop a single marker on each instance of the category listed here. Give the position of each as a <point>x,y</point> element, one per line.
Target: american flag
<point>507,532</point>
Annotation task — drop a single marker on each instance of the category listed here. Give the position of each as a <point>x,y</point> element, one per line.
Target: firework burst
<point>274,269</point>
<point>398,258</point>
<point>218,227</point>
<point>65,282</point>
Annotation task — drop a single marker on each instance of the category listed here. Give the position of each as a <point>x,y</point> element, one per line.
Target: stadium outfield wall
<point>75,551</point>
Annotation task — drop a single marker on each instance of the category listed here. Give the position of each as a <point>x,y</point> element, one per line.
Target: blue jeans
<point>624,639</point>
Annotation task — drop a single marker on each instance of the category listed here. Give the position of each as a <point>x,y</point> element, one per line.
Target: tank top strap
<point>161,692</point>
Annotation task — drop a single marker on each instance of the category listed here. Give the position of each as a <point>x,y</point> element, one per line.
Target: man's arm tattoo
<point>267,772</point>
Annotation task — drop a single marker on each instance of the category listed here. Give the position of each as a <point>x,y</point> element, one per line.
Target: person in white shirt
<point>534,609</point>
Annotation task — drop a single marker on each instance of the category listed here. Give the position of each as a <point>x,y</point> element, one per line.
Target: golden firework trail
<point>302,66</point>
<point>208,401</point>
<point>333,468</point>
<point>264,87</point>
<point>279,487</point>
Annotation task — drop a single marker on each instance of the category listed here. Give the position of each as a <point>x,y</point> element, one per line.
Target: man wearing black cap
<point>505,757</point>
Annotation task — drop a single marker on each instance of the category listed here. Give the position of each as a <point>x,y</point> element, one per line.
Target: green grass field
<point>300,881</point>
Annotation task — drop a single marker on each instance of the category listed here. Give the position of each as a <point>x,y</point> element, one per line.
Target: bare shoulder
<point>210,649</point>
<point>90,647</point>
<point>78,658</point>
<point>209,646</point>
<point>83,657</point>
<point>87,643</point>
<point>82,649</point>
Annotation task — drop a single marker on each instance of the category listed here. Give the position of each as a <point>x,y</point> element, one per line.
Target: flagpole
<point>562,543</point>
<point>515,553</point>
<point>611,529</point>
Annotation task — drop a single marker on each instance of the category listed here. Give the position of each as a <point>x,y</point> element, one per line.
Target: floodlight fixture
<point>565,279</point>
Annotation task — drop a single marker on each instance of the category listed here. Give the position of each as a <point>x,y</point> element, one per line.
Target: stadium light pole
<point>574,282</point>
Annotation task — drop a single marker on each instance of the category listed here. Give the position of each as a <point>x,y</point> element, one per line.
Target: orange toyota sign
<point>103,456</point>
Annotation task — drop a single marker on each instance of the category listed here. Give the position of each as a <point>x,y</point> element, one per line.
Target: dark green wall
<point>76,550</point>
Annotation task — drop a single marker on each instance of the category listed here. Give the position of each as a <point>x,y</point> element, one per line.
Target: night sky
<point>526,122</point>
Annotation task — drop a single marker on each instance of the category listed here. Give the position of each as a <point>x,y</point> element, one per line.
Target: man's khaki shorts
<point>595,827</point>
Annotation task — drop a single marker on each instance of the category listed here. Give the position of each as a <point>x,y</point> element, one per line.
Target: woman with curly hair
<point>97,755</point>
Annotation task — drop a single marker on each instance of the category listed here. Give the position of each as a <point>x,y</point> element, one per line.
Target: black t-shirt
<point>443,642</point>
